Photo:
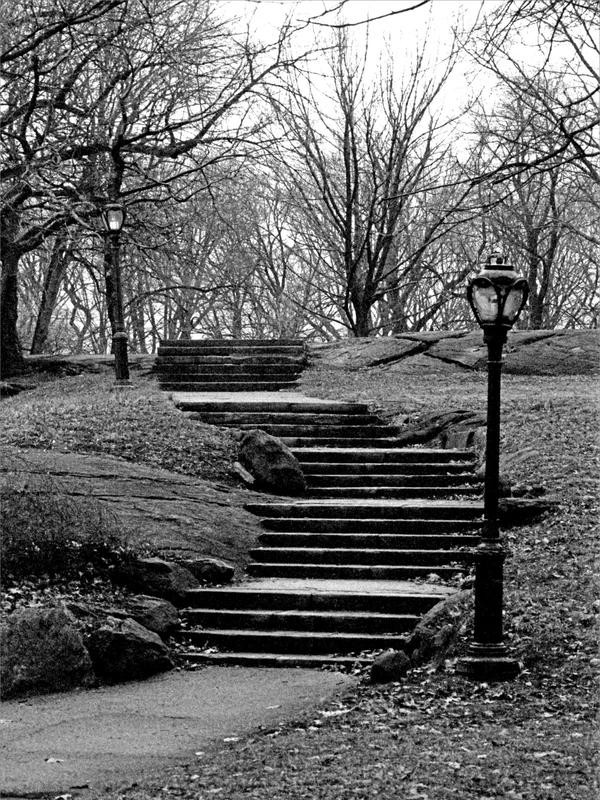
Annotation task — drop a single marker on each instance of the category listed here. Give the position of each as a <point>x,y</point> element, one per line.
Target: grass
<point>48,535</point>
<point>82,414</point>
<point>434,736</point>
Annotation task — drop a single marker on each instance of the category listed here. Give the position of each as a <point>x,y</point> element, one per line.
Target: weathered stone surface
<point>368,352</point>
<point>172,513</point>
<point>437,633</point>
<point>514,511</point>
<point>209,570</point>
<point>122,649</point>
<point>457,428</point>
<point>158,578</point>
<point>390,666</point>
<point>42,651</point>
<point>559,352</point>
<point>154,613</point>
<point>272,464</point>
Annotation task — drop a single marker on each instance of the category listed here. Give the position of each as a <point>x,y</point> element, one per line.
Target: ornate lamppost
<point>113,217</point>
<point>497,296</point>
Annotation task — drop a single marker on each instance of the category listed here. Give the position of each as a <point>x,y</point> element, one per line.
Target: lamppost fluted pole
<point>497,297</point>
<point>113,216</point>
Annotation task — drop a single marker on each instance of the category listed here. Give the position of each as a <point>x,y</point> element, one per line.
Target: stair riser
<point>281,643</point>
<point>279,406</point>
<point>201,343</point>
<point>252,350</point>
<point>368,541</point>
<point>169,386</point>
<point>258,621</point>
<point>171,363</point>
<point>350,572</point>
<point>293,418</point>
<point>356,511</point>
<point>354,432</point>
<point>363,472</point>
<point>392,481</point>
<point>369,526</point>
<point>393,493</point>
<point>274,660</point>
<point>400,455</point>
<point>397,558</point>
<point>218,375</point>
<point>317,601</point>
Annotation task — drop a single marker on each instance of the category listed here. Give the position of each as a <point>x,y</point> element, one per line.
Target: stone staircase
<point>230,365</point>
<point>353,565</point>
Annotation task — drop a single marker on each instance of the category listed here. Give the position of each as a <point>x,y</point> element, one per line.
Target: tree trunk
<point>52,281</point>
<point>11,356</point>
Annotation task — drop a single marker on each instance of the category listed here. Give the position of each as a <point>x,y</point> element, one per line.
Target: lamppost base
<point>488,663</point>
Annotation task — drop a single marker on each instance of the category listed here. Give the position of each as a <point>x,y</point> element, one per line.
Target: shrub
<point>47,533</point>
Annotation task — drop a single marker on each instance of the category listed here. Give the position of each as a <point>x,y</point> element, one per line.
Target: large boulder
<point>42,651</point>
<point>390,666</point>
<point>157,615</point>
<point>209,570</point>
<point>271,463</point>
<point>158,578</point>
<point>437,633</point>
<point>122,650</point>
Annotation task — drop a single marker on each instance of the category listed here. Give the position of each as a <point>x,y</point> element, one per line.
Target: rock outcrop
<point>42,651</point>
<point>271,463</point>
<point>122,650</point>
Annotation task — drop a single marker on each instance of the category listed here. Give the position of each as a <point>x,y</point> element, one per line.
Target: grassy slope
<point>434,736</point>
<point>82,414</point>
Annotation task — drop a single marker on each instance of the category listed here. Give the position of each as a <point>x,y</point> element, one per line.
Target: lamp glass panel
<point>512,304</point>
<point>485,300</point>
<point>114,219</point>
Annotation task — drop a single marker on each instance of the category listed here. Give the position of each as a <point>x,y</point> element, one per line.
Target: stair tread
<point>275,659</point>
<point>291,613</point>
<point>319,635</point>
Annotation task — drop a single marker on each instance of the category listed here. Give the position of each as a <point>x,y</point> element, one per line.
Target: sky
<point>402,34</point>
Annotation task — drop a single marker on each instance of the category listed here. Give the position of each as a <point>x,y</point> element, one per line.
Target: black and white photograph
<point>299,400</point>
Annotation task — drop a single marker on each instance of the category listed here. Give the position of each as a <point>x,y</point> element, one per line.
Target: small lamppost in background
<point>497,296</point>
<point>113,217</point>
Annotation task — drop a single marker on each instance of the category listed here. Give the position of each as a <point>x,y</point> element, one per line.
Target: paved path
<point>115,736</point>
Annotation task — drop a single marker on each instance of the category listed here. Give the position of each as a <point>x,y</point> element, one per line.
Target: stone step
<point>216,376</point>
<point>342,556</point>
<point>203,361</point>
<point>285,641</point>
<point>282,405</point>
<point>367,525</point>
<point>229,366</point>
<point>241,659</point>
<point>392,492</point>
<point>346,621</point>
<point>345,443</point>
<point>369,455</point>
<point>395,481</point>
<point>191,343</point>
<point>238,349</point>
<point>350,572</point>
<point>370,541</point>
<point>400,509</point>
<point>361,471</point>
<point>326,598</point>
<point>259,418</point>
<point>257,386</point>
<point>348,432</point>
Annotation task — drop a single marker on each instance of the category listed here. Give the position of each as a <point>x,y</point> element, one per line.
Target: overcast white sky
<point>403,33</point>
